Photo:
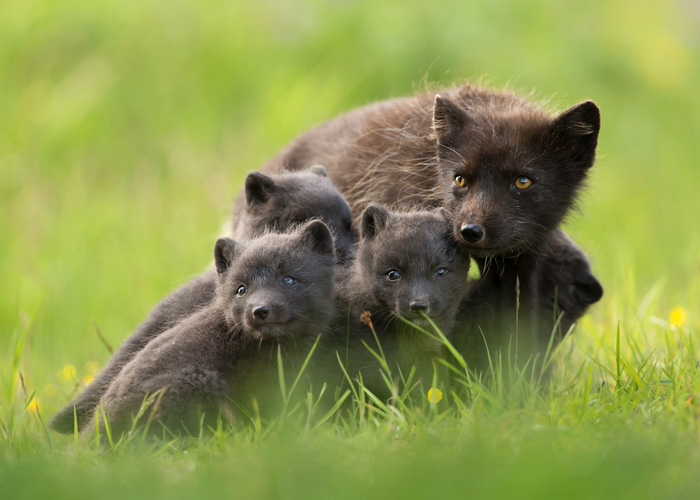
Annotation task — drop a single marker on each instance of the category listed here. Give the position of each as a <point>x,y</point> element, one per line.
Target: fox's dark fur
<point>416,151</point>
<point>408,263</point>
<point>489,317</point>
<point>280,201</point>
<point>276,202</point>
<point>272,292</point>
<point>566,284</point>
<point>408,151</point>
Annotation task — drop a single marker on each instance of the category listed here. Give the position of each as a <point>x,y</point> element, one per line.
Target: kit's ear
<point>316,236</point>
<point>319,170</point>
<point>258,188</point>
<point>225,252</point>
<point>373,220</point>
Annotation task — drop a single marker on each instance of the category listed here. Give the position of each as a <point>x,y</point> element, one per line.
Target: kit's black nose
<point>261,312</point>
<point>417,306</point>
<point>472,233</point>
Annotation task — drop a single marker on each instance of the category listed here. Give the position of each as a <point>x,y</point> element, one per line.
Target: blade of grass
<point>332,410</point>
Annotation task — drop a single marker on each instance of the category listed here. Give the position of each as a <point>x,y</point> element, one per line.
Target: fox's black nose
<point>261,312</point>
<point>418,306</point>
<point>472,233</point>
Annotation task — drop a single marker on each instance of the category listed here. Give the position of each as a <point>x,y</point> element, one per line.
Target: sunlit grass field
<point>126,129</point>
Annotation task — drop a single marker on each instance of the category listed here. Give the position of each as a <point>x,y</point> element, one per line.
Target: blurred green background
<point>127,127</point>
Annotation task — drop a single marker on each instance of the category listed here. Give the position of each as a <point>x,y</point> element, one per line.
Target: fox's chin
<point>290,329</point>
<point>270,329</point>
<point>482,251</point>
<point>421,321</point>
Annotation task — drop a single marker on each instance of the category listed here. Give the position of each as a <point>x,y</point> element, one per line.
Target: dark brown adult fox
<point>506,171</point>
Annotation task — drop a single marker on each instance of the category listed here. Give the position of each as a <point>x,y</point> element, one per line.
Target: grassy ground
<point>125,132</point>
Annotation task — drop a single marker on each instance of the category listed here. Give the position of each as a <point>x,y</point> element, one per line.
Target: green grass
<point>126,129</point>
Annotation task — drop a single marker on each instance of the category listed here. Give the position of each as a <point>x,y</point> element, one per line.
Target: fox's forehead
<point>501,156</point>
<point>327,206</point>
<point>415,245</point>
<point>319,199</point>
<point>267,264</point>
<point>305,185</point>
<point>274,253</point>
<point>414,259</point>
<point>416,228</point>
<point>503,140</point>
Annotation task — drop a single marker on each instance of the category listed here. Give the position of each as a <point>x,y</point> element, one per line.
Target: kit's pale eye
<point>393,275</point>
<point>460,181</point>
<point>441,273</point>
<point>241,290</point>
<point>523,182</point>
<point>288,281</point>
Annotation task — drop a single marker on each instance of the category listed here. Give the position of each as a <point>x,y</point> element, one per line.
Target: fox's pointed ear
<point>373,220</point>
<point>316,236</point>
<point>258,188</point>
<point>319,170</point>
<point>448,120</point>
<point>225,252</point>
<point>575,131</point>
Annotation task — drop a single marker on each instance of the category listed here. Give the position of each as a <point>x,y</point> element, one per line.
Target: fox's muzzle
<point>472,233</point>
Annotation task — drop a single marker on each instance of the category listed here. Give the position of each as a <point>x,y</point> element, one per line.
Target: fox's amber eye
<point>460,181</point>
<point>523,182</point>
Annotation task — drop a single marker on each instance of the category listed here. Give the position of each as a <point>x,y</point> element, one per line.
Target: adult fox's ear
<point>575,132</point>
<point>258,188</point>
<point>373,220</point>
<point>448,121</point>
<point>316,236</point>
<point>319,170</point>
<point>225,252</point>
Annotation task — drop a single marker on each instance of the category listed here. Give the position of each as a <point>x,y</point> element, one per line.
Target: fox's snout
<point>472,233</point>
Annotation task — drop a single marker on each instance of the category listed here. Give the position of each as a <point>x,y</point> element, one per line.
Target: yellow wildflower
<point>434,395</point>
<point>34,405</point>
<point>68,373</point>
<point>87,380</point>
<point>677,316</point>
